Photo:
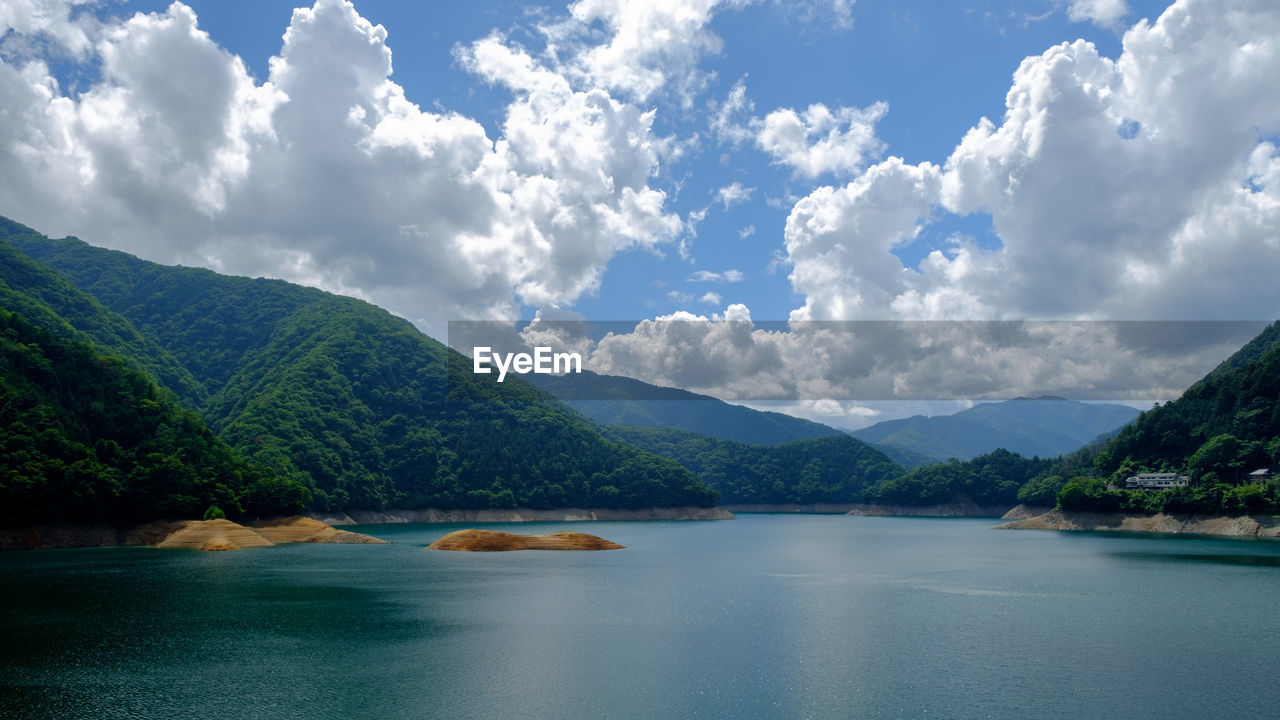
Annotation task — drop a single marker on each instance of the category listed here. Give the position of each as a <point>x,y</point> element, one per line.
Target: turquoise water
<point>766,616</point>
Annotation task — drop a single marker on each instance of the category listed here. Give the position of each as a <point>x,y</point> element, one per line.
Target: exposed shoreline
<point>1223,526</point>
<point>955,509</point>
<point>313,528</point>
<point>799,508</point>
<point>380,517</point>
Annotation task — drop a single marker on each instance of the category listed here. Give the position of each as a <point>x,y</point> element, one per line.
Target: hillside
<point>1032,427</point>
<point>87,439</point>
<point>613,400</point>
<point>995,478</point>
<point>356,404</point>
<point>1216,433</point>
<point>819,470</point>
<point>1228,423</point>
<point>48,300</point>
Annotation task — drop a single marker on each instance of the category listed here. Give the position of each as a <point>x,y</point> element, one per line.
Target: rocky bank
<point>957,509</point>
<point>1240,526</point>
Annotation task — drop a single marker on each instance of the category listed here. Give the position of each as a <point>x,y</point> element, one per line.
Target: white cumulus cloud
<point>820,140</point>
<point>326,173</point>
<point>1140,187</point>
<point>733,194</point>
<point>1107,13</point>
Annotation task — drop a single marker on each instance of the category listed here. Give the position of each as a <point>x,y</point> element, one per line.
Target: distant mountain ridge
<point>1046,426</point>
<point>831,469</point>
<point>623,401</point>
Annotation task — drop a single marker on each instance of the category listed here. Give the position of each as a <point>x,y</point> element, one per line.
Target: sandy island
<point>226,535</point>
<point>494,541</point>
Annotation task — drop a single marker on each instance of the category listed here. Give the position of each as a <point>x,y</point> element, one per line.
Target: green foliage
<point>1227,423</point>
<point>214,513</point>
<point>1085,493</point>
<point>1220,429</point>
<point>342,400</point>
<point>86,438</point>
<point>48,300</point>
<point>1226,456</point>
<point>1206,498</point>
<point>819,470</point>
<point>991,479</point>
<point>621,401</point>
<point>1041,491</point>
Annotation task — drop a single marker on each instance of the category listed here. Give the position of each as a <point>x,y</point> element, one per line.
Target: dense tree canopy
<point>991,479</point>
<point>820,470</point>
<point>332,401</point>
<point>87,438</point>
<point>341,397</point>
<point>1217,432</point>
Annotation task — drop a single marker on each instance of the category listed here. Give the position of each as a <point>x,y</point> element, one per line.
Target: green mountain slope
<point>1218,431</point>
<point>991,479</point>
<point>832,469</point>
<point>1228,423</point>
<point>86,438</point>
<point>613,400</point>
<point>1043,427</point>
<point>1264,342</point>
<point>340,395</point>
<point>48,300</point>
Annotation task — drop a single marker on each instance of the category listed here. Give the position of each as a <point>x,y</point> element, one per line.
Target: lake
<point>767,616</point>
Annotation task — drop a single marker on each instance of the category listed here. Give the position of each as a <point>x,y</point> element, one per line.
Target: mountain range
<point>614,400</point>
<point>1044,427</point>
<point>328,392</point>
<point>133,389</point>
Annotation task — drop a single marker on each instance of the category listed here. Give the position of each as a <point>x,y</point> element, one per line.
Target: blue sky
<point>704,161</point>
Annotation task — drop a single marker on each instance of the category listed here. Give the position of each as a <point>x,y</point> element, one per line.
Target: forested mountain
<point>48,300</point>
<point>354,403</point>
<point>1222,427</point>
<point>86,438</point>
<point>1219,430</point>
<point>832,469</point>
<point>613,400</point>
<point>135,389</point>
<point>1044,427</point>
<point>992,479</point>
<point>904,457</point>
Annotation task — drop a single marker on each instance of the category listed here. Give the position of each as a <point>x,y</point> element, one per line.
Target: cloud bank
<point>325,173</point>
<point>1140,187</point>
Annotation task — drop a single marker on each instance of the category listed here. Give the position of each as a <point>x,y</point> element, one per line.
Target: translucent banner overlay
<point>741,360</point>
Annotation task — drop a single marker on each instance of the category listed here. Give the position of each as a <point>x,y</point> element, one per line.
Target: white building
<point>1155,481</point>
